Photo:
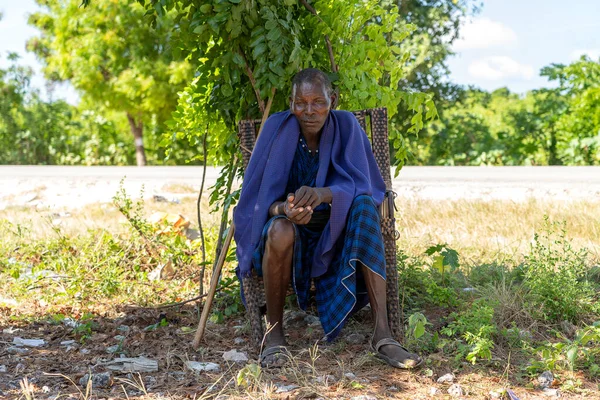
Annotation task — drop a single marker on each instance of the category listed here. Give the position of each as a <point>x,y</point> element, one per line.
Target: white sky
<point>505,45</point>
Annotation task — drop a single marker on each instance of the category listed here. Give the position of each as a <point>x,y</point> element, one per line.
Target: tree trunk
<point>552,153</point>
<point>138,136</point>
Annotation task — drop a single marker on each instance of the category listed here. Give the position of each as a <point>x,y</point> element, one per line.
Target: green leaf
<point>572,356</point>
<point>419,329</point>
<point>206,8</point>
<point>226,90</point>
<point>274,34</point>
<point>271,24</point>
<point>438,264</point>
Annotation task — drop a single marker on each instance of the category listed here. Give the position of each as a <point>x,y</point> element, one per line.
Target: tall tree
<point>114,58</point>
<point>248,50</point>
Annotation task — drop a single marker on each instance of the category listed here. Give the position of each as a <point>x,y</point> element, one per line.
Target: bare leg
<point>377,297</point>
<point>277,273</point>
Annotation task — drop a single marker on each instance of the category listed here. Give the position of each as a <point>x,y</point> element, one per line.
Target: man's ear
<point>334,99</point>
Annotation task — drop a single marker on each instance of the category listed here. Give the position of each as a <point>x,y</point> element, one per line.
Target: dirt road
<point>72,187</point>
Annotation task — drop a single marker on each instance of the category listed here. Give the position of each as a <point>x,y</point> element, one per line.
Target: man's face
<point>310,103</point>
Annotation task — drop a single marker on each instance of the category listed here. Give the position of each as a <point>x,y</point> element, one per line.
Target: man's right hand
<point>299,215</point>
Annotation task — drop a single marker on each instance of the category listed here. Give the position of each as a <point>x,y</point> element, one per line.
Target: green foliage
<point>543,127</point>
<point>34,131</point>
<point>556,275</point>
<point>476,326</point>
<point>249,51</point>
<point>114,58</point>
<point>580,353</point>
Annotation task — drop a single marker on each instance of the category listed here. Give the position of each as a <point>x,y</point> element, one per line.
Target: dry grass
<point>486,231</point>
<point>481,231</point>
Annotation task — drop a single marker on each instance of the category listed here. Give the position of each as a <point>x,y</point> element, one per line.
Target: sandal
<point>281,356</point>
<point>407,363</point>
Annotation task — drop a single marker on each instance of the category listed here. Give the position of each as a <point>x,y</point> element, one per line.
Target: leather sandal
<point>279,353</point>
<point>407,363</point>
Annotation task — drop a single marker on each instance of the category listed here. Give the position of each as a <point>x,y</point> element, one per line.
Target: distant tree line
<point>156,76</point>
<point>559,126</point>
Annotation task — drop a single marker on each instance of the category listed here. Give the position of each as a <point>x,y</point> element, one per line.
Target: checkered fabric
<point>341,290</point>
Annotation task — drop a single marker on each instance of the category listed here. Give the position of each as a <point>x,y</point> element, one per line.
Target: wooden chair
<point>378,128</point>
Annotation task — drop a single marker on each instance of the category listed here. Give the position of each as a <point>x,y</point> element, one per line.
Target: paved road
<point>58,186</point>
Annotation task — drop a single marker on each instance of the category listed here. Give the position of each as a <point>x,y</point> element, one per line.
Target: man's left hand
<point>307,196</point>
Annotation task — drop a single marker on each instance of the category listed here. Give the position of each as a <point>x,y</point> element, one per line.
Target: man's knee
<point>281,235</point>
<point>364,200</point>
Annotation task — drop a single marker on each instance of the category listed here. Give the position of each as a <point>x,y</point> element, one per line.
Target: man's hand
<point>300,215</point>
<point>311,197</point>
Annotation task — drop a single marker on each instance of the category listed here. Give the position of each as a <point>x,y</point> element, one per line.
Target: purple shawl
<point>346,165</point>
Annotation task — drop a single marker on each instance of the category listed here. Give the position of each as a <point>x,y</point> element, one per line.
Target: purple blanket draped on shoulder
<point>346,165</point>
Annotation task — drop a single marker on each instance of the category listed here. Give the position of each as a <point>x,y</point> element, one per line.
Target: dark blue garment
<point>346,165</point>
<point>341,289</point>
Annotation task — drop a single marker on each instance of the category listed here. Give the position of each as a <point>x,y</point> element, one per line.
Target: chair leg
<point>393,301</point>
<point>252,292</point>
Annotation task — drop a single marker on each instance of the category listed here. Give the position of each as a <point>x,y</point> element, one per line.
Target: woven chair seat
<point>374,122</point>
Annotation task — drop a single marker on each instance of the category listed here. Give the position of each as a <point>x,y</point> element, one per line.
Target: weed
<point>556,275</point>
<point>476,326</point>
<point>583,351</point>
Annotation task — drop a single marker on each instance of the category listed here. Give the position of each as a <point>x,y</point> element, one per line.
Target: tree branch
<point>267,110</point>
<point>261,103</point>
<point>311,9</point>
<point>198,209</point>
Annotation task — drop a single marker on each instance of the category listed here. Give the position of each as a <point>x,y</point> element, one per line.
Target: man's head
<point>311,100</point>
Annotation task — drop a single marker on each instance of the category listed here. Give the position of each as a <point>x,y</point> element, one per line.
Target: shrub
<point>556,275</point>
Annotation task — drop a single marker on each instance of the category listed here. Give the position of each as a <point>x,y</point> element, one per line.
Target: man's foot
<point>274,356</point>
<point>395,355</point>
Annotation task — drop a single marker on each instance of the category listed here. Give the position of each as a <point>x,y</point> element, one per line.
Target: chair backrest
<point>374,121</point>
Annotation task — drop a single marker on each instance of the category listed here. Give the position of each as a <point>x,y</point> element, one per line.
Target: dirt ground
<point>342,369</point>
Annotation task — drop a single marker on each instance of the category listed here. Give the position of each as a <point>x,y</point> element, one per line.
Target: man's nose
<point>310,108</point>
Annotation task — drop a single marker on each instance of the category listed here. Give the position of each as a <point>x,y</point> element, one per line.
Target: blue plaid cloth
<point>341,290</point>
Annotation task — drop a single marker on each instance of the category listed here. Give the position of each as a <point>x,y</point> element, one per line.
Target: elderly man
<point>308,213</point>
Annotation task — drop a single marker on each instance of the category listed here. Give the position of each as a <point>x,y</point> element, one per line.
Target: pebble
<point>285,388</point>
<point>455,390</point>
<point>123,328</point>
<point>448,378</point>
<point>17,350</point>
<point>355,338</point>
<point>551,392</point>
<point>112,349</point>
<point>84,351</point>
<point>364,397</point>
<point>70,322</point>
<point>102,380</point>
<point>239,340</point>
<point>235,356</point>
<point>203,366</point>
<point>350,375</point>
<point>326,379</point>
<point>67,342</point>
<point>434,391</point>
<point>545,379</point>
<point>119,338</point>
<point>3,369</point>
<point>28,342</point>
<point>312,320</point>
<point>45,389</point>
